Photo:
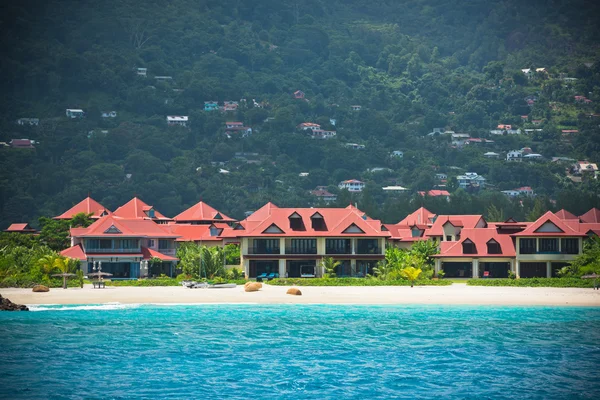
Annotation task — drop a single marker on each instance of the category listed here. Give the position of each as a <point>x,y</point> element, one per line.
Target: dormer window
<point>218,216</point>
<point>416,232</point>
<point>150,213</point>
<point>469,247</point>
<point>214,231</point>
<point>317,222</point>
<point>493,247</point>
<point>296,223</point>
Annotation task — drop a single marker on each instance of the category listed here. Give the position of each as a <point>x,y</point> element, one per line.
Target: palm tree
<point>47,263</point>
<point>329,265</point>
<point>64,264</point>
<point>411,273</point>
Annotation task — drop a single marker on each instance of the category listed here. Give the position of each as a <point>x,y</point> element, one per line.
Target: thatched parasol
<point>64,275</point>
<point>593,276</point>
<point>99,274</point>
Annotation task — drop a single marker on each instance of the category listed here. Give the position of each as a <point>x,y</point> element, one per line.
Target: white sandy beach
<point>456,294</point>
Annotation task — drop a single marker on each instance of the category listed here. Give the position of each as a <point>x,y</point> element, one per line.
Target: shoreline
<point>348,295</point>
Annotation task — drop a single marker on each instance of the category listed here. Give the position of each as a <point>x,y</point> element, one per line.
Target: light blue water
<point>317,352</point>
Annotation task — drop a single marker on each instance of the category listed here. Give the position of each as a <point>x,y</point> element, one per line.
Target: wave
<point>118,306</point>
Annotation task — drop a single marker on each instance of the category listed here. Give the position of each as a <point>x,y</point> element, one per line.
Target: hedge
<point>534,282</point>
<point>352,282</point>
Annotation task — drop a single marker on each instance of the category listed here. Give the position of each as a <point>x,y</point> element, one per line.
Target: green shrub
<point>534,282</point>
<point>352,282</point>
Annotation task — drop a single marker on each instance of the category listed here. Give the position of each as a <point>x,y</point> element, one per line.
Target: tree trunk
<point>64,282</point>
<point>411,283</point>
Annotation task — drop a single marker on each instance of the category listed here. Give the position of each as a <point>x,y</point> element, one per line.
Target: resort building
<point>20,228</point>
<point>352,185</point>
<point>124,247</point>
<point>292,241</point>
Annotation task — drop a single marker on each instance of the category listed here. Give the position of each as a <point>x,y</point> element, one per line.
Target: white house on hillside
<point>181,120</point>
<point>397,154</point>
<point>75,113</point>
<point>353,185</point>
<point>28,121</point>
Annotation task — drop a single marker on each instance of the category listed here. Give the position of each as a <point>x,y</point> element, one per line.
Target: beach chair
<point>262,276</point>
<point>272,276</point>
<point>486,274</point>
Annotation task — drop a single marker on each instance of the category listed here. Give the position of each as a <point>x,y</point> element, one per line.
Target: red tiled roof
<point>435,193</point>
<point>19,228</point>
<point>419,217</point>
<point>150,253</point>
<point>336,221</point>
<point>480,238</point>
<point>135,208</point>
<point>192,233</point>
<point>591,217</point>
<point>566,230</point>
<point>564,214</point>
<point>75,252</point>
<point>201,212</point>
<point>127,227</point>
<point>463,221</point>
<point>87,206</point>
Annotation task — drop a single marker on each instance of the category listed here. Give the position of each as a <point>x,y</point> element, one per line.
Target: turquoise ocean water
<point>312,352</point>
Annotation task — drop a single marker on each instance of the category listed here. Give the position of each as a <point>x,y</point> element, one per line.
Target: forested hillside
<point>412,66</point>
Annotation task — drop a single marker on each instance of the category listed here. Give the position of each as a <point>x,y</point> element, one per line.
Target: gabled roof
<point>87,206</point>
<point>336,222</point>
<point>202,212</point>
<point>564,214</point>
<point>463,221</point>
<point>422,216</point>
<point>75,252</point>
<point>107,227</point>
<point>136,208</point>
<point>480,238</point>
<point>549,218</point>
<point>21,228</point>
<point>192,233</point>
<point>591,217</point>
<point>149,254</point>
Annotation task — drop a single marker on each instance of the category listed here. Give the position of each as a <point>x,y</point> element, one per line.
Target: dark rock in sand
<point>7,305</point>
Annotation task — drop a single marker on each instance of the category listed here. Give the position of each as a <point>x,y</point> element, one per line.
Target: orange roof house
<point>20,228</point>
<point>480,242</point>
<point>137,209</point>
<point>549,225</point>
<point>591,217</point>
<point>564,215</point>
<point>201,213</point>
<point>86,206</point>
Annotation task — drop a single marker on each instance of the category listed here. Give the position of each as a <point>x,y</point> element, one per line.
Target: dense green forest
<point>412,66</point>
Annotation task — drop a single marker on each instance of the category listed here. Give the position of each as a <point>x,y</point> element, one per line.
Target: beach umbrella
<point>64,275</point>
<point>593,276</point>
<point>99,274</point>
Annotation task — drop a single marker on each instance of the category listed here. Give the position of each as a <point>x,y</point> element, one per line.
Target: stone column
<point>518,269</point>
<point>548,269</point>
<point>281,245</point>
<point>282,265</point>
<point>475,268</point>
<point>246,266</point>
<point>438,266</point>
<point>353,245</point>
<point>352,267</point>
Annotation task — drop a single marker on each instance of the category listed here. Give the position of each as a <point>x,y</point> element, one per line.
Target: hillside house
<point>109,114</point>
<point>354,146</point>
<point>355,108</point>
<point>581,168</point>
<point>532,157</point>
<point>436,193</point>
<point>439,131</point>
<point>397,154</point>
<point>352,185</point>
<point>22,144</point>
<point>142,72</point>
<point>394,189</point>
<point>163,78</point>
<point>459,139</point>
<point>491,154</point>
<point>471,181</point>
<point>322,194</point>
<point>298,94</point>
<point>478,141</point>
<point>174,120</point>
<point>321,134</point>
<point>309,126</point>
<point>229,106</point>
<point>527,72</point>
<point>514,155</point>
<point>211,106</point>
<point>75,113</point>
<point>522,191</point>
<point>237,129</point>
<point>28,121</point>
<point>441,177</point>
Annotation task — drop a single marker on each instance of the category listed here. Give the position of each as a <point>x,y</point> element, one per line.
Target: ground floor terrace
<point>308,267</point>
<point>129,267</point>
<point>497,268</point>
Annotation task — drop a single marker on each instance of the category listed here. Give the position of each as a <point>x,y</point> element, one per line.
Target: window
<point>493,247</point>
<point>448,238</point>
<point>469,247</point>
<point>150,242</point>
<point>367,246</point>
<point>317,222</point>
<point>163,244</point>
<point>527,246</point>
<point>150,213</point>
<point>296,222</point>
<point>416,232</point>
<point>266,246</point>
<point>548,245</point>
<point>106,244</point>
<point>337,246</point>
<point>569,246</point>
<point>303,246</point>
